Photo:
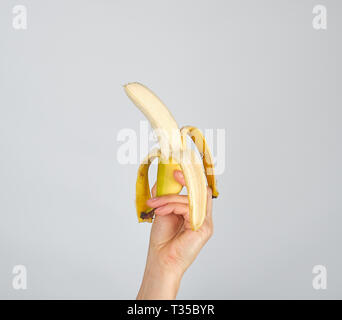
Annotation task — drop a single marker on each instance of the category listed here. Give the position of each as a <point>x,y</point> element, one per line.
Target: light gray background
<point>256,68</point>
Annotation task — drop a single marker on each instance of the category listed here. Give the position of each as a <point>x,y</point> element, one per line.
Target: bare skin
<point>173,245</point>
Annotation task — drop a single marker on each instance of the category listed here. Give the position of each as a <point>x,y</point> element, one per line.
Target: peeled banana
<point>173,154</point>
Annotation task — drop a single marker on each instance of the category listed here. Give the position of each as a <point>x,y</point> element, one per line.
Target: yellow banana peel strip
<point>197,137</point>
<point>143,193</point>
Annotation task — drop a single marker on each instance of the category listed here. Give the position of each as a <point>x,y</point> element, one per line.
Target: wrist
<point>159,284</point>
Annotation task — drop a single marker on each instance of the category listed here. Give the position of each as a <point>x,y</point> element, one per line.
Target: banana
<point>173,154</point>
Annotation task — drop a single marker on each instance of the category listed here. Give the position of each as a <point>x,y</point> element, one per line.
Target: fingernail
<point>153,199</point>
<point>178,173</point>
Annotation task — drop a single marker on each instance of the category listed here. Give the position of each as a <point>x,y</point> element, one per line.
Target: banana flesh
<point>172,155</point>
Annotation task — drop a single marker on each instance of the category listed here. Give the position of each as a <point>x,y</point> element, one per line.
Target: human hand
<point>173,245</point>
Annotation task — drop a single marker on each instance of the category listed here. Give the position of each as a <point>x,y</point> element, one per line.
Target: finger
<point>175,208</point>
<point>179,177</point>
<point>162,200</point>
<point>154,190</point>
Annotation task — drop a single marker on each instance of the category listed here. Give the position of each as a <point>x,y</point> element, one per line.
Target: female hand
<point>173,245</point>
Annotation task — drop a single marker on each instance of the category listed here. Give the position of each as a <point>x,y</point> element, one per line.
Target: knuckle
<point>207,231</point>
<point>210,232</point>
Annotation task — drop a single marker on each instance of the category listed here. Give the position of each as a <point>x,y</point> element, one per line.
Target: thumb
<point>179,177</point>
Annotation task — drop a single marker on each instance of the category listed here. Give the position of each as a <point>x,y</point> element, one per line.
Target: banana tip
<point>147,215</point>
